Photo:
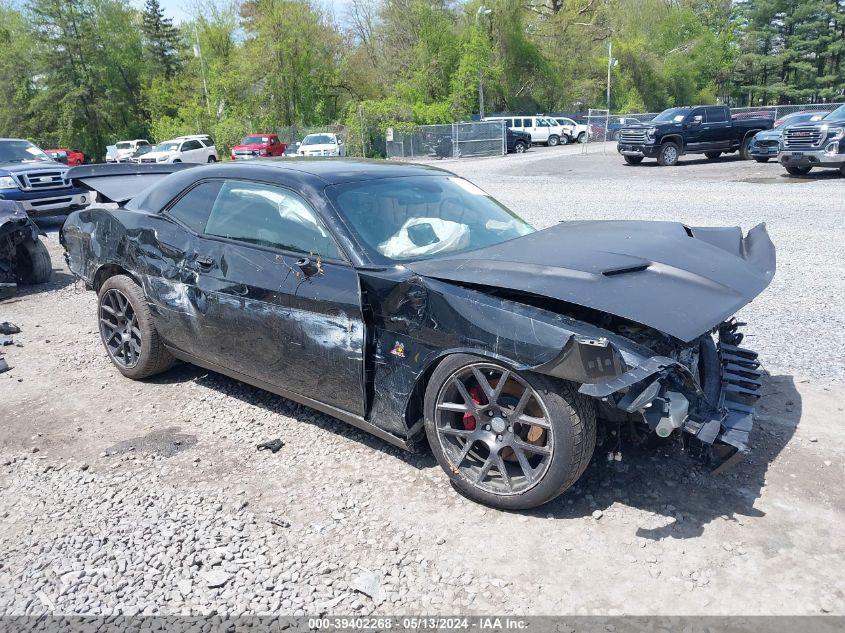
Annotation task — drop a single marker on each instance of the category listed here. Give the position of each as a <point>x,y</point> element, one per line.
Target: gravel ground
<point>120,497</point>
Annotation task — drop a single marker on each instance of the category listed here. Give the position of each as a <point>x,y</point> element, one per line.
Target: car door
<point>192,152</point>
<point>281,304</point>
<point>717,129</point>
<point>694,129</point>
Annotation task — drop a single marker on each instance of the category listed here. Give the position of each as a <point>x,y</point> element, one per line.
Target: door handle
<point>205,262</point>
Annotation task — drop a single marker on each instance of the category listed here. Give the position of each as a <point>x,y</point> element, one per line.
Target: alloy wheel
<point>494,429</point>
<point>119,328</point>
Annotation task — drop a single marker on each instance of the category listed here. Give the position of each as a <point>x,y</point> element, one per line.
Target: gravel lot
<point>120,497</point>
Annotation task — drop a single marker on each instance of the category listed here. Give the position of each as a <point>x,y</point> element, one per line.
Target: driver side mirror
<point>696,120</point>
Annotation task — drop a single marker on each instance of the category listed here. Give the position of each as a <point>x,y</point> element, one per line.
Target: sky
<point>181,10</point>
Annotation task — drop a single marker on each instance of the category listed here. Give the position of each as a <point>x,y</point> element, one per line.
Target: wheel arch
<point>106,271</point>
<point>677,139</point>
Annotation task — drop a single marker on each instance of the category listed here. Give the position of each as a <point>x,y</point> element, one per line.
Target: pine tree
<point>162,38</point>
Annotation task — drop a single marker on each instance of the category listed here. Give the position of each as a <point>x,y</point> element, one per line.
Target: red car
<point>258,146</point>
<point>73,156</point>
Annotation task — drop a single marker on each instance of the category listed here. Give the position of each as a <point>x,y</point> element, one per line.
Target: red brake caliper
<point>477,395</point>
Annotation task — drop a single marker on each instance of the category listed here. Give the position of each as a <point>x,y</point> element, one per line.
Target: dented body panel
<point>633,312</point>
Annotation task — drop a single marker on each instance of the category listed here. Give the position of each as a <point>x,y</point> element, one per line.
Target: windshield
<point>318,139</point>
<point>144,149</point>
<point>419,217</point>
<point>839,113</point>
<point>167,147</point>
<point>21,152</point>
<point>676,115</point>
<point>254,140</point>
<point>124,145</point>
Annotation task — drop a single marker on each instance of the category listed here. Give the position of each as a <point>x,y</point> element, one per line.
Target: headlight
<point>162,159</point>
<point>834,133</point>
<point>7,182</point>
<point>650,132</point>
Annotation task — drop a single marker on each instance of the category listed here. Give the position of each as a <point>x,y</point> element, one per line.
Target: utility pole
<point>609,64</point>
<point>481,93</point>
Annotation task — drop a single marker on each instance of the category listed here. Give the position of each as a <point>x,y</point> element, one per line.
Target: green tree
<point>161,38</point>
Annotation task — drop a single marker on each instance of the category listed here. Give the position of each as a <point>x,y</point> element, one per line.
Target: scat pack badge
<point>398,350</point>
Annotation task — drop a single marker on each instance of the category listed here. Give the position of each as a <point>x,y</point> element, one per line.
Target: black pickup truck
<point>707,130</point>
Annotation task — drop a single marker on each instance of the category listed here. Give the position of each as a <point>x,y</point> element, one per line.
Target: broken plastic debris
<point>9,328</point>
<point>272,445</point>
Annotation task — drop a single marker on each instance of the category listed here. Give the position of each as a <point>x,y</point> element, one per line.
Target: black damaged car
<point>405,301</point>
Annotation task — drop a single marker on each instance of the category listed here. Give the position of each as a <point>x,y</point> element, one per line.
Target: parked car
<point>542,129</point>
<point>322,144</point>
<point>125,149</point>
<point>574,130</point>
<point>258,146</point>
<point>29,176</point>
<point>403,299</point>
<point>70,157</point>
<point>765,144</point>
<point>707,130</point>
<point>143,150</point>
<point>23,257</point>
<point>820,144</point>
<point>517,142</point>
<point>198,148</point>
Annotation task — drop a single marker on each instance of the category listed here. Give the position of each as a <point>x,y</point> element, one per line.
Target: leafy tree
<point>161,38</point>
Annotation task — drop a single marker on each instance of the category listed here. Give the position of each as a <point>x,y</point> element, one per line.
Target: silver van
<point>541,128</point>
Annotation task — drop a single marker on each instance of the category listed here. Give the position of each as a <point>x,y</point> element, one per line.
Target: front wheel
<point>553,141</point>
<point>745,149</point>
<point>127,329</point>
<point>519,147</point>
<point>33,263</point>
<point>211,159</point>
<point>582,137</point>
<point>712,155</point>
<point>797,170</point>
<point>633,160</point>
<point>507,439</point>
<point>762,159</point>
<point>669,154</point>
<point>565,140</point>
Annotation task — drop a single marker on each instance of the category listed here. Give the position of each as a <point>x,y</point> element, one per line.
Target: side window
<point>189,145</point>
<point>695,113</point>
<point>542,123</point>
<point>527,123</point>
<point>265,215</point>
<point>194,207</point>
<point>716,115</point>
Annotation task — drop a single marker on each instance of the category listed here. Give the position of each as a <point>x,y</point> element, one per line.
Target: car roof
<point>334,171</point>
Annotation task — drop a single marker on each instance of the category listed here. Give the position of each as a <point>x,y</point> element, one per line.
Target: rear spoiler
<point>121,182</point>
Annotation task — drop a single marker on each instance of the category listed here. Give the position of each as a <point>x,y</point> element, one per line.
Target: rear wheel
<point>127,329</point>
<point>582,137</point>
<point>797,170</point>
<point>633,160</point>
<point>565,140</point>
<point>519,147</point>
<point>762,159</point>
<point>669,154</point>
<point>211,159</point>
<point>553,140</point>
<point>33,263</point>
<point>507,439</point>
<point>712,155</point>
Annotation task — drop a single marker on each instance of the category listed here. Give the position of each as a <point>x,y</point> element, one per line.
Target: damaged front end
<point>18,235</point>
<point>703,392</point>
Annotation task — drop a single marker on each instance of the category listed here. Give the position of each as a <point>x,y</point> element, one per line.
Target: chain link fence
<point>603,127</point>
<point>451,140</point>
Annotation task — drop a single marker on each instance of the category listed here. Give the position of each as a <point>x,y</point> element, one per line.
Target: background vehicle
<point>198,148</point>
<point>765,144</point>
<point>418,302</point>
<point>517,142</point>
<point>141,151</point>
<point>125,149</point>
<point>322,144</point>
<point>70,157</point>
<point>292,150</point>
<point>821,144</point>
<point>32,178</point>
<point>541,128</point>
<point>707,130</point>
<point>23,257</point>
<point>576,131</point>
<point>258,146</point>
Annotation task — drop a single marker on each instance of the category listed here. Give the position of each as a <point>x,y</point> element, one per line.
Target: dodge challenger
<point>406,301</point>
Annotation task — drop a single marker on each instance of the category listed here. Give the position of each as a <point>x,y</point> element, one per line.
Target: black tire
<point>762,159</point>
<point>176,160</point>
<point>211,159</point>
<point>712,155</point>
<point>842,169</point>
<point>582,137</point>
<point>797,170</point>
<point>633,160</point>
<point>554,141</point>
<point>565,140</point>
<point>571,427</point>
<point>33,263</point>
<point>520,147</point>
<point>669,155</point>
<point>151,356</point>
<point>745,148</point>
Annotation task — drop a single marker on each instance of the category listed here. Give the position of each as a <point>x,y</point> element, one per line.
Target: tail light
<point>233,154</point>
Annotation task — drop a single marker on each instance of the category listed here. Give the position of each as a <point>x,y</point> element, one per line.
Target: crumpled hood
<point>679,280</point>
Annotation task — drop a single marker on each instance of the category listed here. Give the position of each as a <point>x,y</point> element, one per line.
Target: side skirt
<point>344,416</point>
